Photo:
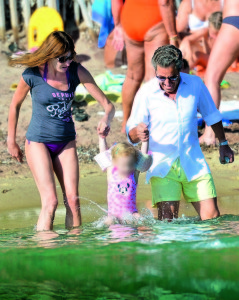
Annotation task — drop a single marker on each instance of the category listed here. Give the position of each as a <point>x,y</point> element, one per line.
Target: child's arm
<point>102,144</point>
<point>136,176</point>
<point>145,147</point>
<point>145,160</point>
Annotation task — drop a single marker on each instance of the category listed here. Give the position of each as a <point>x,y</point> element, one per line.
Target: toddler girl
<point>123,164</point>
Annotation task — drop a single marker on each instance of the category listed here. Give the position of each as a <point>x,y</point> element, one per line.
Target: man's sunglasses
<point>171,78</point>
<point>63,59</point>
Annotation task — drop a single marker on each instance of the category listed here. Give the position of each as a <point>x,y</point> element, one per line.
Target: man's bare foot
<point>208,137</point>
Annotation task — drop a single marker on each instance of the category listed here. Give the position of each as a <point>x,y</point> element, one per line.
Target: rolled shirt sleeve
<point>139,113</point>
<point>207,107</point>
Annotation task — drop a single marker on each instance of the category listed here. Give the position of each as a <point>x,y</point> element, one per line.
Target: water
<point>151,260</point>
<point>184,259</point>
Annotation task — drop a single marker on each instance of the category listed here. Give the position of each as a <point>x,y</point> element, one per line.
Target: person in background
<point>185,67</point>
<point>194,14</point>
<point>197,46</point>
<point>224,53</point>
<point>165,114</point>
<point>143,25</point>
<point>52,77</point>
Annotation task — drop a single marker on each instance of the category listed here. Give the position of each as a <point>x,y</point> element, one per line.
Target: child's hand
<point>103,129</point>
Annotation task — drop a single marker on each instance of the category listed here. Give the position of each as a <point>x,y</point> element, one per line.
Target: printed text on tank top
<point>61,109</point>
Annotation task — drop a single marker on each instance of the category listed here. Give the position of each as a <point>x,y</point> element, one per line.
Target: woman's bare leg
<point>168,210</point>
<point>66,167</point>
<point>134,76</point>
<point>40,163</point>
<point>220,59</point>
<point>109,52</point>
<point>207,209</point>
<point>154,38</point>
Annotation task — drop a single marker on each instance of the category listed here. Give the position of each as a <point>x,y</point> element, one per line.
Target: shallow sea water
<point>148,259</point>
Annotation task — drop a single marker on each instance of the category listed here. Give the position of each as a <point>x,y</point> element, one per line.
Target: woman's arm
<point>118,39</point>
<point>188,44</point>
<point>167,9</point>
<point>17,100</point>
<point>185,8</point>
<point>89,83</point>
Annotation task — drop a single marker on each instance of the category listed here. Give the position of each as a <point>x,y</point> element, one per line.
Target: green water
<point>184,259</point>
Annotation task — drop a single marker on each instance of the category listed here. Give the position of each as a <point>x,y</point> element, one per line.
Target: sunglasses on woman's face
<point>64,59</point>
<point>171,78</point>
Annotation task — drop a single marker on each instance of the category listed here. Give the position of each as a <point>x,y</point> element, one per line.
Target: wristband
<point>174,37</point>
<point>225,143</point>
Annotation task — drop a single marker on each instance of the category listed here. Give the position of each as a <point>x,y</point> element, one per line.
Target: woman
<point>144,25</point>
<point>197,46</point>
<point>194,14</point>
<point>225,51</point>
<point>52,78</point>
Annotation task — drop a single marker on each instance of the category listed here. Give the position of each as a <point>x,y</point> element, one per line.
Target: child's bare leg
<point>109,221</point>
<point>136,215</point>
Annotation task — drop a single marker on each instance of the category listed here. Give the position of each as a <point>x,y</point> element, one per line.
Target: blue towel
<point>102,14</point>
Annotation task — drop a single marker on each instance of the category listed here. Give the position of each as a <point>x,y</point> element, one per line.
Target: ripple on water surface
<point>148,259</point>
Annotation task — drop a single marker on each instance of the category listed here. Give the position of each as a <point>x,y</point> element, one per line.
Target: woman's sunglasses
<point>64,59</point>
<point>171,78</point>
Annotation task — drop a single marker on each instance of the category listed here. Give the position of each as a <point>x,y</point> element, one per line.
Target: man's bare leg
<point>168,210</point>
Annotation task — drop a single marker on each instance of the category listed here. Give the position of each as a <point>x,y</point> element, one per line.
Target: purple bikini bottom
<point>54,148</point>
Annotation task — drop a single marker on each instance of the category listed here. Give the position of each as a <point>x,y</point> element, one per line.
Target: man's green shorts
<point>171,187</point>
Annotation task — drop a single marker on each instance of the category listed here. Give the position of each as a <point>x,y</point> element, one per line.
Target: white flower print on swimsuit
<point>121,195</point>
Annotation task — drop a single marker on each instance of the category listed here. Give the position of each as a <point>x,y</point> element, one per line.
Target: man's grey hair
<point>167,56</point>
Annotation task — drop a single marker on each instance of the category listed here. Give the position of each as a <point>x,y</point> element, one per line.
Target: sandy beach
<point>17,188</point>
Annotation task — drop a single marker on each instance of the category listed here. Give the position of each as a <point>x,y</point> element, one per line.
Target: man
<point>224,52</point>
<point>165,113</point>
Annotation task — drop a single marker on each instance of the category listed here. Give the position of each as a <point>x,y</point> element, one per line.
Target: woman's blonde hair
<point>215,20</point>
<point>124,149</point>
<point>55,45</point>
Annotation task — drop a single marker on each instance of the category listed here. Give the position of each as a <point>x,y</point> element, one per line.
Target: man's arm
<point>219,131</point>
<point>167,10</point>
<point>225,150</point>
<point>213,118</point>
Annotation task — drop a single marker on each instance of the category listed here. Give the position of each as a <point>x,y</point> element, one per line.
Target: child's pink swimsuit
<point>121,195</point>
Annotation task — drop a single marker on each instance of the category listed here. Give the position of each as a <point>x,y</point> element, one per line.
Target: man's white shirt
<point>172,125</point>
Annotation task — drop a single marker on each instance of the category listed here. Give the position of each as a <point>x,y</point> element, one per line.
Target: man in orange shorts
<point>224,53</point>
<point>144,25</point>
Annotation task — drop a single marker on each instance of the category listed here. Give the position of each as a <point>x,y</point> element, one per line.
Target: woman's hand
<point>118,38</point>
<point>103,128</point>
<point>15,151</point>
